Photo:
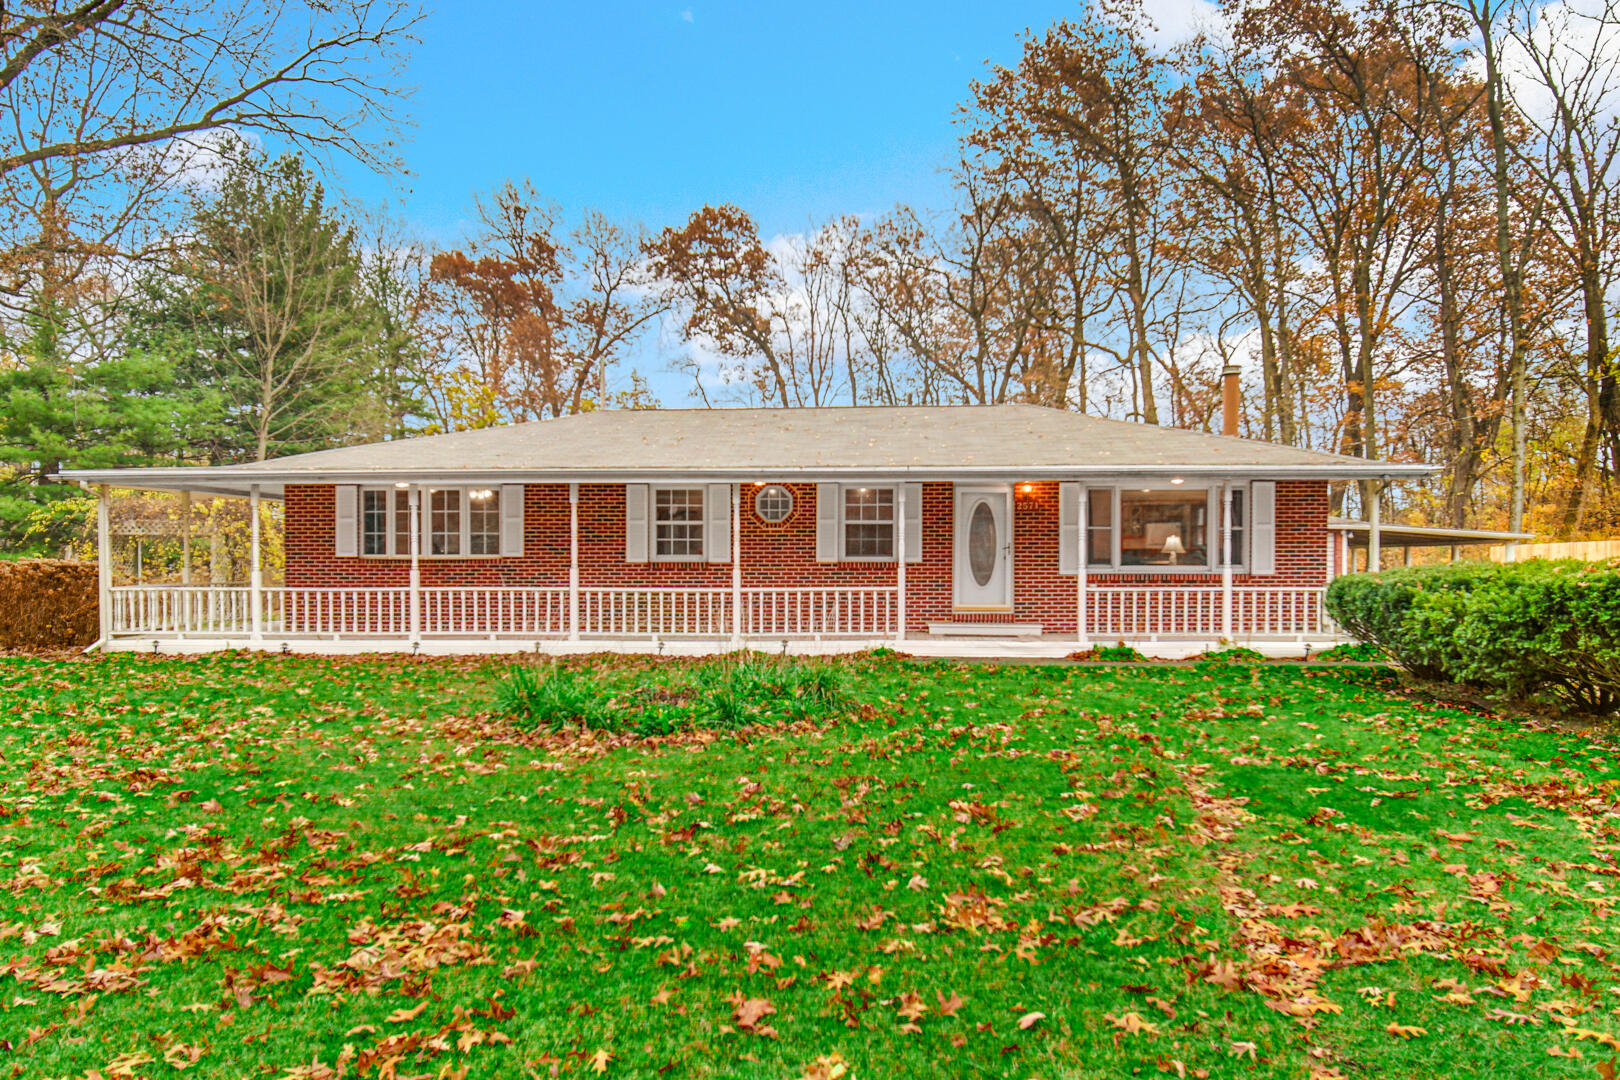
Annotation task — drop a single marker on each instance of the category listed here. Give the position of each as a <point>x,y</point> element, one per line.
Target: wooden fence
<point>1590,550</point>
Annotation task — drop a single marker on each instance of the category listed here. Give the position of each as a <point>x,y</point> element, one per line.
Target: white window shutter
<point>717,524</point>
<point>1069,496</point>
<point>635,523</point>
<point>913,522</point>
<point>346,539</point>
<point>1262,528</point>
<point>827,515</point>
<point>511,519</point>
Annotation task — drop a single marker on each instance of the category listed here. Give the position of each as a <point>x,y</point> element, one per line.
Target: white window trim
<point>389,533</point>
<point>1212,490</point>
<point>702,523</point>
<point>425,522</point>
<point>792,503</point>
<point>843,523</point>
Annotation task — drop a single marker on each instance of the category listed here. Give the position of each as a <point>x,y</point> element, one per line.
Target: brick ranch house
<point>993,530</point>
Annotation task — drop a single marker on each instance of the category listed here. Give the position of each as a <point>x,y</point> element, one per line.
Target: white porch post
<point>736,566</point>
<point>1375,554</point>
<point>900,561</point>
<point>415,588</point>
<point>1081,617</point>
<point>104,562</point>
<point>1226,561</point>
<point>255,570</point>
<point>573,562</point>
<point>185,538</point>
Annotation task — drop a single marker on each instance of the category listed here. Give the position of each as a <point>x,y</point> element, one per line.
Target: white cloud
<point>200,162</point>
<point>1177,21</point>
<point>1577,45</point>
<point>686,16</point>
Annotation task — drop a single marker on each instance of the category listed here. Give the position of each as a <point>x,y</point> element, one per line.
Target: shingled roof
<point>1004,442</point>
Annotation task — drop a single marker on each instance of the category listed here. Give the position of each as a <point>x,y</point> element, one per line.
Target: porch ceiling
<point>994,442</point>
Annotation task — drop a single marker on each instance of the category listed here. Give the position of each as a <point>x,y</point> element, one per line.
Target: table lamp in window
<point>1173,548</point>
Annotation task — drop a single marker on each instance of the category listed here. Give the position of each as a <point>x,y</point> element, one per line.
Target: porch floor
<point>1045,646</point>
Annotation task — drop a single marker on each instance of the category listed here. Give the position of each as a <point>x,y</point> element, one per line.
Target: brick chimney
<point>1230,400</point>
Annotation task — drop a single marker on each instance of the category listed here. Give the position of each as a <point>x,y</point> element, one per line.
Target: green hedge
<point>1538,629</point>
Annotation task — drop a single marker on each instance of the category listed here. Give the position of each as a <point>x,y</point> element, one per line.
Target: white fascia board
<point>225,480</point>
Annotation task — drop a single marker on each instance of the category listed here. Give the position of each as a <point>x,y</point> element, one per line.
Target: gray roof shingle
<point>1007,441</point>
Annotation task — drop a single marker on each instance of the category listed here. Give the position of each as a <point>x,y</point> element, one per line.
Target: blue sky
<point>649,110</point>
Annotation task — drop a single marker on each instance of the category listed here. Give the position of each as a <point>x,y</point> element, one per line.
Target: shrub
<point>552,697</point>
<point>1361,651</point>
<point>755,687</point>
<point>1116,654</point>
<point>48,604</point>
<point>1535,629</point>
<point>1237,654</point>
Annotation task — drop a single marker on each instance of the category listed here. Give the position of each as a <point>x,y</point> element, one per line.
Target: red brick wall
<point>784,554</point>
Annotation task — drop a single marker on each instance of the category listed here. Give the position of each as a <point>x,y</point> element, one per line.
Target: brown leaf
<point>750,1012</point>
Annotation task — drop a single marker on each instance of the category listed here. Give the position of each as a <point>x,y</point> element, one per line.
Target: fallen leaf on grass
<point>1132,1023</point>
<point>1406,1031</point>
<point>748,1014</point>
<point>1029,1020</point>
<point>400,1016</point>
<point>827,1067</point>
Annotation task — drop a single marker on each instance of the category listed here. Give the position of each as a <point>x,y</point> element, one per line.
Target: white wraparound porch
<point>1173,619</point>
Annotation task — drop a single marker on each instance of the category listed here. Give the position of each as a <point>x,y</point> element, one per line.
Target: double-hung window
<point>455,521</point>
<point>869,523</point>
<point>483,521</point>
<point>385,521</point>
<point>444,522</point>
<point>678,523</point>
<point>1237,530</point>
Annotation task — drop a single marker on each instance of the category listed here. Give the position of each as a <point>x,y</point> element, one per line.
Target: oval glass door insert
<point>981,544</point>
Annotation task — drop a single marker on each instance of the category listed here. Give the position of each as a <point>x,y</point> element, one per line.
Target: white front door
<point>983,563</point>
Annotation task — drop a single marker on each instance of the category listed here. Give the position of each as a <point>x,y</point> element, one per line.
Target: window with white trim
<point>1100,527</point>
<point>385,521</point>
<point>1238,547</point>
<point>1161,530</point>
<point>868,525</point>
<point>483,521</point>
<point>773,503</point>
<point>677,517</point>
<point>444,522</point>
<point>455,521</point>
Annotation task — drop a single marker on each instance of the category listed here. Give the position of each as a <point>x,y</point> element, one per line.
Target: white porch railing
<point>475,612</point>
<point>654,612</point>
<point>834,612</point>
<point>181,609</point>
<point>362,612</point>
<point>1113,612</point>
<point>1133,611</point>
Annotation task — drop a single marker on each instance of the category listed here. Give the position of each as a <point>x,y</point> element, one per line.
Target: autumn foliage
<point>47,604</point>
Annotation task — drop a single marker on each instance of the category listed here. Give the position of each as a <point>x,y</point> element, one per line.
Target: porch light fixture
<point>1026,489</point>
<point>402,485</point>
<point>1177,480</point>
<point>481,495</point>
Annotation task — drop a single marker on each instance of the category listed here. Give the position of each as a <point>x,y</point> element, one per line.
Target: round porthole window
<point>773,503</point>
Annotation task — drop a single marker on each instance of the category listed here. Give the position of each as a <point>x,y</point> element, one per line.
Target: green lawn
<point>293,867</point>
